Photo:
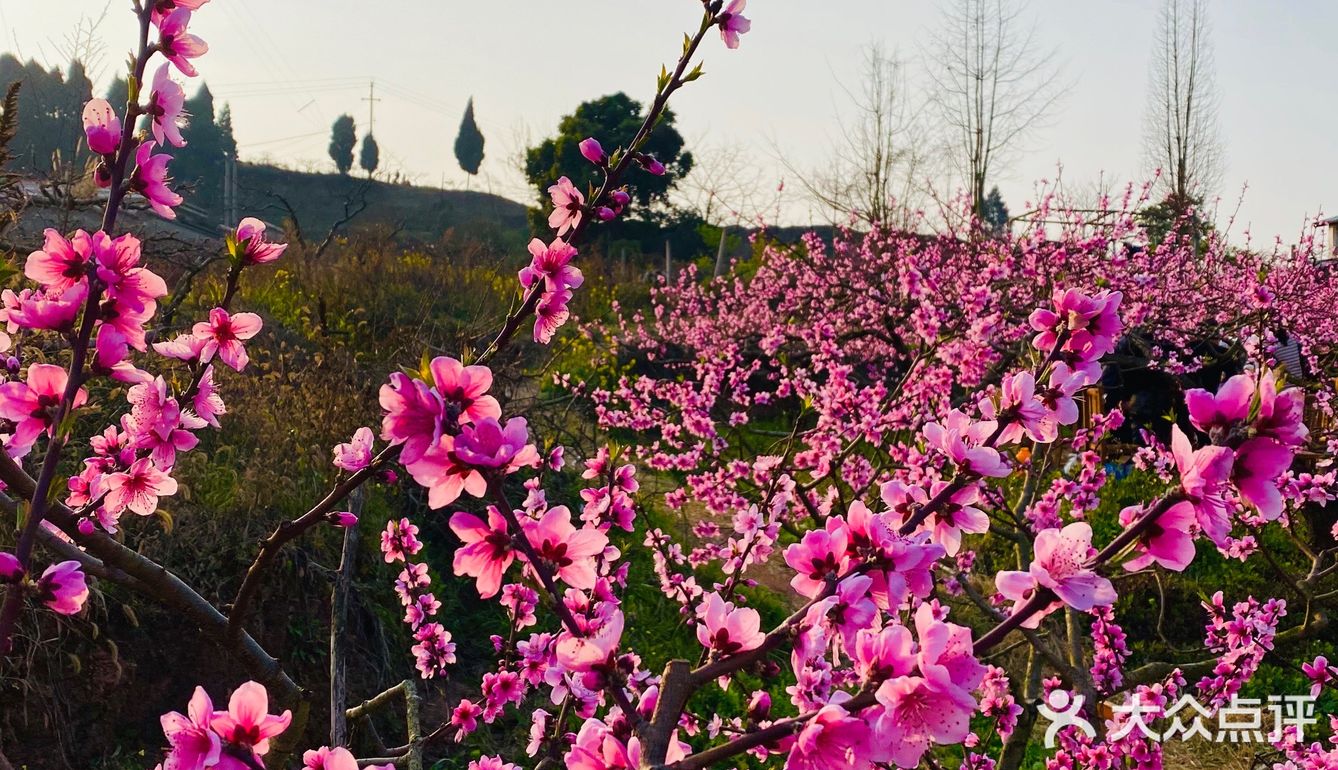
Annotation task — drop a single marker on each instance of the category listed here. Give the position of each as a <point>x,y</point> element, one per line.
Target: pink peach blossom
<point>102,128</point>
<point>224,334</point>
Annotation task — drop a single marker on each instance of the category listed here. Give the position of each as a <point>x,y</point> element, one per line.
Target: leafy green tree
<point>370,156</point>
<point>469,142</point>
<point>343,138</point>
<point>614,121</point>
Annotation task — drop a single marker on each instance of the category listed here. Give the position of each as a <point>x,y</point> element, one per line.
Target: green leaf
<point>694,74</point>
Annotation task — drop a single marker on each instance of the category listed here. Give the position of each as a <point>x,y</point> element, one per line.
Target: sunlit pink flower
<point>566,549</point>
<point>178,45</point>
<point>60,264</point>
<point>45,310</point>
<point>1231,403</point>
<point>831,740</point>
<point>568,206</point>
<point>1017,399</point>
<point>918,711</point>
<point>551,264</point>
<point>445,475</point>
<point>326,758</point>
<point>487,444</point>
<point>134,288</point>
<point>1089,324</point>
<point>485,552</point>
<point>150,180</point>
<point>185,347</point>
<point>492,763</point>
<point>399,540</point>
<point>945,651</point>
<point>883,653</point>
<point>1203,476</point>
<point>1281,415</point>
<point>550,315</point>
<point>1320,673</point>
<point>247,723</point>
<point>733,23</point>
<point>208,403</point>
<point>62,588</point>
<point>357,453</point>
<point>851,607</point>
<point>584,653</point>
<point>166,108</point>
<point>956,515</point>
<point>463,390</point>
<point>255,250</point>
<point>1258,464</point>
<point>1061,566</point>
<point>962,440</point>
<point>138,488</point>
<point>1168,541</point>
<point>820,553</point>
<point>32,404</point>
<point>413,416</point>
<point>102,128</point>
<point>726,629</point>
<point>194,745</point>
<point>223,334</point>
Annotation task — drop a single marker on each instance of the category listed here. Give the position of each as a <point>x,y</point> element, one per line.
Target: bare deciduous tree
<point>991,83</point>
<point>1180,133</point>
<point>881,157</point>
<point>723,185</point>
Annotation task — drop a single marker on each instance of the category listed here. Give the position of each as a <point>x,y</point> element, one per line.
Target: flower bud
<point>102,175</point>
<point>342,519</point>
<point>650,164</point>
<point>11,571</point>
<point>592,152</point>
<point>102,128</point>
<point>605,213</point>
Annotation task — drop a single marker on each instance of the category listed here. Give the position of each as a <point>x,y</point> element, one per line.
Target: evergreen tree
<point>343,138</point>
<point>994,213</point>
<point>227,141</point>
<point>200,163</point>
<point>50,123</point>
<point>118,93</point>
<point>370,155</point>
<point>469,142</point>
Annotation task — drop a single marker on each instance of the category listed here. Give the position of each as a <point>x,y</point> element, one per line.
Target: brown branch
<point>152,580</point>
<point>289,530</point>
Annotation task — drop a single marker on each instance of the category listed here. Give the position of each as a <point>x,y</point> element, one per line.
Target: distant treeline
<point>50,139</point>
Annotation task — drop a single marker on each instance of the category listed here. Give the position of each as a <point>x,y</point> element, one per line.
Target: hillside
<point>424,213</point>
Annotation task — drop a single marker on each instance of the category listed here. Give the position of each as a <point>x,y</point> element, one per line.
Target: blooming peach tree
<point>931,389</point>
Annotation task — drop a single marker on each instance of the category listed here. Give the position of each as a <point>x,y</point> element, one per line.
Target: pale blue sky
<point>288,67</point>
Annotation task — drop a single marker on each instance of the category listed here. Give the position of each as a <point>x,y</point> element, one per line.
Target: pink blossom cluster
<point>433,650</point>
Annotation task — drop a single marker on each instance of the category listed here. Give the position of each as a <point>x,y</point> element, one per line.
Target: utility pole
<point>371,100</point>
<point>720,253</point>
